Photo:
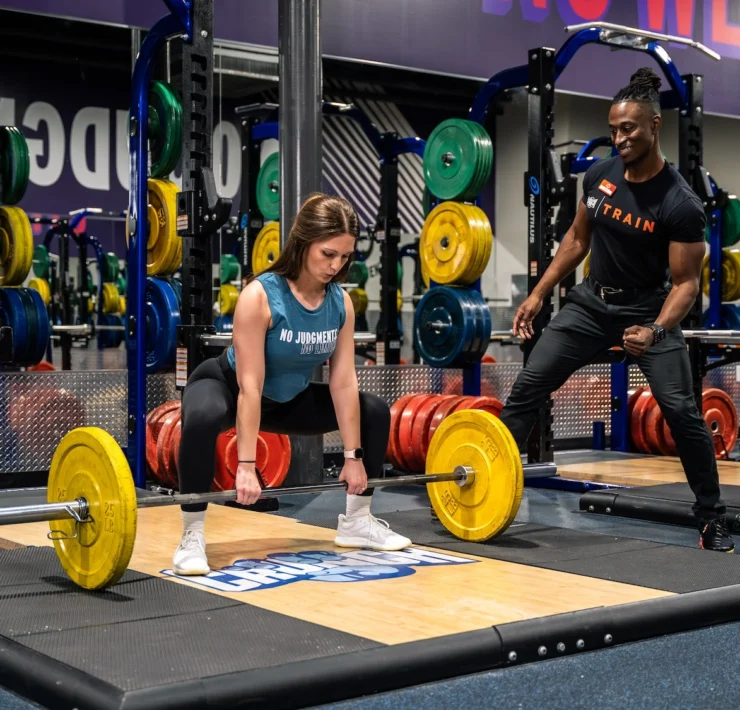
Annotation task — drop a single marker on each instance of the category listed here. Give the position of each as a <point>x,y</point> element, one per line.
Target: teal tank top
<point>299,339</point>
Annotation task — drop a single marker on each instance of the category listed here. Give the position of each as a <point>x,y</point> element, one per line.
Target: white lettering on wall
<point>47,157</point>
<point>226,144</point>
<point>122,157</point>
<point>97,176</point>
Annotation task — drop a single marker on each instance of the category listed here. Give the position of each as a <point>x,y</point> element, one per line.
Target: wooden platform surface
<point>435,600</point>
<point>648,471</point>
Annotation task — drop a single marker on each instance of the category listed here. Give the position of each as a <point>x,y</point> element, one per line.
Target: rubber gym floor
<point>391,631</point>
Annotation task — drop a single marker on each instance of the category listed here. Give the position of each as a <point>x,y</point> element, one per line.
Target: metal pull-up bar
<point>612,31</point>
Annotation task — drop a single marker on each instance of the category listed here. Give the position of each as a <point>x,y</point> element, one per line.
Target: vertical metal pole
<point>690,159</point>
<point>541,100</point>
<point>300,75</point>
<point>388,234</point>
<point>66,337</point>
<point>135,46</point>
<point>300,114</point>
<point>250,218</point>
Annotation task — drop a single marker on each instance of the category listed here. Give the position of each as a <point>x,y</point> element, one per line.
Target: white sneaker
<point>190,556</point>
<point>368,531</point>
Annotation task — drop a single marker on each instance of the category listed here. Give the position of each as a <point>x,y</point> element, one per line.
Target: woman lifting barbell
<point>288,320</point>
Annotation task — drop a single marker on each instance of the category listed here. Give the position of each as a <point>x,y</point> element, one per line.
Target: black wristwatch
<point>353,453</point>
<point>658,333</point>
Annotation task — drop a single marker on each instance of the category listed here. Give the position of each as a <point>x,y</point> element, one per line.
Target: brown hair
<point>320,217</point>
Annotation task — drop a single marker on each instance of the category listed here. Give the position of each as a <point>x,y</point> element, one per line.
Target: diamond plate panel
<point>38,409</point>
<point>585,398</point>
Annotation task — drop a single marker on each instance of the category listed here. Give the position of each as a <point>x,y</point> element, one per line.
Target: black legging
<point>209,408</point>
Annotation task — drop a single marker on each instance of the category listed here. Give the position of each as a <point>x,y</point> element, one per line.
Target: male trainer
<point>640,219</point>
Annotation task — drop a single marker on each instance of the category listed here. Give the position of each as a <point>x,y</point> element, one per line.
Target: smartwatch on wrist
<point>658,333</point>
<point>353,454</point>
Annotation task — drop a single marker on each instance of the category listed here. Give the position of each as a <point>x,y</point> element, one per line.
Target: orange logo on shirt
<point>647,225</point>
<point>607,188</point>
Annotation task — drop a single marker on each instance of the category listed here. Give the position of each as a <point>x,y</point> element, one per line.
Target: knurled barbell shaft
<point>78,509</point>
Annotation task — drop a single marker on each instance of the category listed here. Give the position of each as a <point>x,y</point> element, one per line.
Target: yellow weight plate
<point>399,301</point>
<point>228,295</point>
<point>110,298</point>
<point>162,241</point>
<point>485,508</point>
<point>484,242</point>
<point>89,464</point>
<point>16,246</point>
<point>42,286</point>
<point>448,244</point>
<point>122,305</point>
<point>266,247</point>
<point>176,243</point>
<point>358,296</point>
<point>729,277</point>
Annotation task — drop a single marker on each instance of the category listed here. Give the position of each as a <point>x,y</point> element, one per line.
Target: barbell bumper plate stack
<point>266,247</point>
<point>485,508</point>
<point>358,273</point>
<point>40,261</point>
<point>162,321</point>
<point>268,187</point>
<point>359,299</point>
<point>89,464</point>
<point>731,222</point>
<point>229,268</point>
<point>42,286</point>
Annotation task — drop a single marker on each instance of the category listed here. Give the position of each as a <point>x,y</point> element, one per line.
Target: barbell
<point>92,502</point>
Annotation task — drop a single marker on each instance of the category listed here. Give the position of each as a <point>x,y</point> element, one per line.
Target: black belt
<point>608,294</point>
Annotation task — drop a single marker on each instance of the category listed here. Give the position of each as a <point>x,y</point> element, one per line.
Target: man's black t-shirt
<point>633,222</point>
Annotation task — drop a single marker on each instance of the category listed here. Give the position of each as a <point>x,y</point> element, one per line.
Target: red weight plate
<point>163,451</point>
<point>639,412</point>
<point>278,459</point>
<point>668,439</point>
<point>42,366</point>
<point>175,450</point>
<point>487,404</point>
<point>396,410</point>
<point>405,449</point>
<point>488,359</point>
<point>420,428</point>
<point>151,455</point>
<point>232,455</point>
<point>721,418</point>
<point>653,425</point>
<point>445,408</point>
<point>632,398</point>
<point>223,478</point>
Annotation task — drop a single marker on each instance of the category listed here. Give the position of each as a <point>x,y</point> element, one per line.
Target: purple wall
<point>471,37</point>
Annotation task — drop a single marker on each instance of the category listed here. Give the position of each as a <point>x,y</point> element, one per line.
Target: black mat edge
<point>623,504</point>
<point>332,679</point>
<point>51,683</point>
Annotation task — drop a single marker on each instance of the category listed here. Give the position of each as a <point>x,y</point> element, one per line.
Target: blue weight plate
<point>483,326</point>
<point>104,336</point>
<point>177,286</point>
<point>162,320</point>
<point>442,348</point>
<point>472,304</point>
<point>224,324</point>
<point>43,326</point>
<point>730,317</point>
<point>13,314</point>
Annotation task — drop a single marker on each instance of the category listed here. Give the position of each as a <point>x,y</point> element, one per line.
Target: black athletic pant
<point>585,328</point>
<point>209,408</point>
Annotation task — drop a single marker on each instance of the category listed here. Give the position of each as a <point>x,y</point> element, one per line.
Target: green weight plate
<point>41,262</point>
<point>358,273</point>
<point>121,284</point>
<point>14,165</point>
<point>268,187</point>
<point>229,268</point>
<point>110,268</point>
<point>731,222</point>
<point>485,164</point>
<point>164,129</point>
<point>451,159</point>
<point>400,274</point>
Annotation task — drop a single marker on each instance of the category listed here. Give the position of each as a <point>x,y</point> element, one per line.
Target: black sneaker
<point>714,535</point>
